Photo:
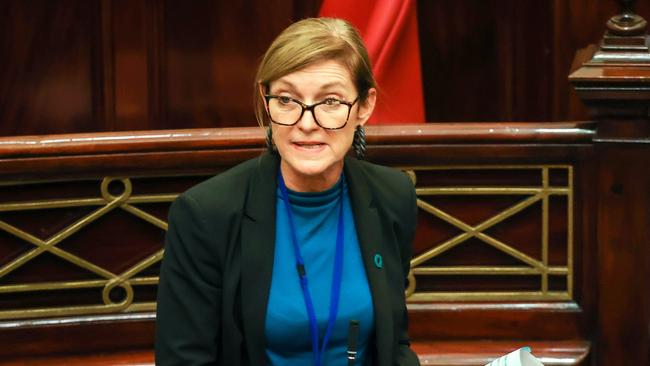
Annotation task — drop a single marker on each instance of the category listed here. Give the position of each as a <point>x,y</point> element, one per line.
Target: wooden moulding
<point>208,150</point>
<point>432,353</point>
<point>253,137</point>
<point>613,78</point>
<point>204,150</point>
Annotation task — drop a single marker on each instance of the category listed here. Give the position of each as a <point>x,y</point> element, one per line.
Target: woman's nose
<point>308,121</point>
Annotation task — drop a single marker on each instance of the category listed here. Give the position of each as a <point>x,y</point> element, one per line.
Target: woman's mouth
<point>309,145</point>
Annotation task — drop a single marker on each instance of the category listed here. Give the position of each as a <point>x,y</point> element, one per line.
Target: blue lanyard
<point>336,276</point>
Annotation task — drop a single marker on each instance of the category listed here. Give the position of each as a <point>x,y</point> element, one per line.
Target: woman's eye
<point>332,101</point>
<point>284,100</point>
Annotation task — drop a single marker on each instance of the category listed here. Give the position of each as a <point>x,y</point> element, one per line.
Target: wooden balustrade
<point>502,255</point>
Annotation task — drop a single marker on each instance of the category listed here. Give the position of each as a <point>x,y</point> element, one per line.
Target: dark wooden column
<point>614,82</point>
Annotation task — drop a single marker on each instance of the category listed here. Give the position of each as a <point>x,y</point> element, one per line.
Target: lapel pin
<point>379,261</point>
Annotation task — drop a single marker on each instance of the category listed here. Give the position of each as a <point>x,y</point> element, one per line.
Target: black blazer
<point>216,272</point>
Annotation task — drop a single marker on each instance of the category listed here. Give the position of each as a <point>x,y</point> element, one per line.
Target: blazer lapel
<point>257,253</point>
<point>368,226</point>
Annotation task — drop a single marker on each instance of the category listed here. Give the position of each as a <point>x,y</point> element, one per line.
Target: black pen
<point>353,336</point>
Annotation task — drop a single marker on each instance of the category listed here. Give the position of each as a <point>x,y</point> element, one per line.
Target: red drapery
<point>390,30</point>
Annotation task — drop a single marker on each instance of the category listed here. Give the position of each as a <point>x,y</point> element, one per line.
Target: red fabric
<point>390,30</point>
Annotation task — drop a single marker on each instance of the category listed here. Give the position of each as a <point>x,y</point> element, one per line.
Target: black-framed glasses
<point>329,113</point>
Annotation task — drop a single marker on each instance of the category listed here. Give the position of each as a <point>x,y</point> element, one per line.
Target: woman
<point>287,258</point>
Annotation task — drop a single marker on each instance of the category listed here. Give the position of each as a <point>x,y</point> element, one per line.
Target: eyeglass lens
<point>328,115</point>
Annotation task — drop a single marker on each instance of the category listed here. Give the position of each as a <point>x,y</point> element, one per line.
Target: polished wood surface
<point>431,353</point>
<point>170,140</point>
<point>474,48</point>
<point>48,81</point>
<point>209,149</point>
<point>624,252</point>
<point>129,358</point>
<point>519,53</point>
<point>613,80</point>
<point>115,65</point>
<point>127,339</point>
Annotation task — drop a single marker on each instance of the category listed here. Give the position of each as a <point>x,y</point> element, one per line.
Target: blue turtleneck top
<point>288,341</point>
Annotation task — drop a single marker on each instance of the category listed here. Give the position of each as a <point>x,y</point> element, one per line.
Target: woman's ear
<point>365,108</point>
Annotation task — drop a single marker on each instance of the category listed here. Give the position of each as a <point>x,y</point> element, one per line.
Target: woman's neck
<point>310,183</point>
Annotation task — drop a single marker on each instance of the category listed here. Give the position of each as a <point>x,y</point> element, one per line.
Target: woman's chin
<point>313,170</point>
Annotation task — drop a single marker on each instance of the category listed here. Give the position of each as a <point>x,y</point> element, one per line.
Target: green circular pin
<point>379,261</point>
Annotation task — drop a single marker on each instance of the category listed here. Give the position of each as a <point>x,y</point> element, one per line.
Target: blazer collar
<point>257,253</point>
<point>258,249</point>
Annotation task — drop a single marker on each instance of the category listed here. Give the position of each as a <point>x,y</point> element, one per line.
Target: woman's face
<point>312,157</point>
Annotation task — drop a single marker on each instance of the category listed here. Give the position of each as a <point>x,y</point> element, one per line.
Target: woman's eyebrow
<point>324,86</point>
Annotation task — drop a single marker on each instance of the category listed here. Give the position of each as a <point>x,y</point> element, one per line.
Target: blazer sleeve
<point>406,356</point>
<point>189,293</point>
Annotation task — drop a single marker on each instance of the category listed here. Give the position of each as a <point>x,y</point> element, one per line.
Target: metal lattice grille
<point>109,280</point>
<point>529,265</point>
<point>527,197</point>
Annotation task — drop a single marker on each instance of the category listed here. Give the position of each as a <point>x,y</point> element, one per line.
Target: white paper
<point>520,357</point>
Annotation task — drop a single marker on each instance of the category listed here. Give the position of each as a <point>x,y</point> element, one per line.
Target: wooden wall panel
<point>487,60</point>
<point>109,65</point>
<point>116,65</point>
<point>465,57</point>
<point>624,254</point>
<point>211,54</point>
<point>532,63</point>
<point>134,46</point>
<point>47,82</point>
<point>502,60</point>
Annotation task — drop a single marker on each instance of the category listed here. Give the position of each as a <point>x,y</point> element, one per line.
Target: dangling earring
<point>359,142</point>
<point>270,146</point>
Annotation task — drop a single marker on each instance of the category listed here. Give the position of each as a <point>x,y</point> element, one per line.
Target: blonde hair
<point>309,41</point>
